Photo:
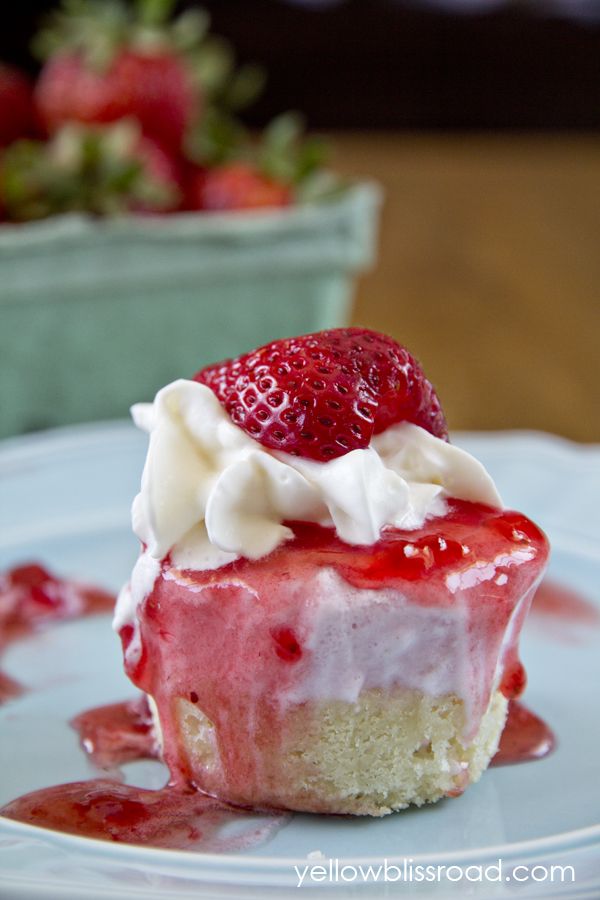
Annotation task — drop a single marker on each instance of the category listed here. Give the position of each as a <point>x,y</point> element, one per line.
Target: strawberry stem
<point>153,13</point>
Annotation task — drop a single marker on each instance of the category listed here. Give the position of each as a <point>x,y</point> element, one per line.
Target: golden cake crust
<point>388,750</point>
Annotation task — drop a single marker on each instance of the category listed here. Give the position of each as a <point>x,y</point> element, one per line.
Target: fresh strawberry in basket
<point>235,185</point>
<point>107,61</point>
<point>236,174</point>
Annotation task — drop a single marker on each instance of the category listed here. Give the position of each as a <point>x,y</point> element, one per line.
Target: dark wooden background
<point>389,64</point>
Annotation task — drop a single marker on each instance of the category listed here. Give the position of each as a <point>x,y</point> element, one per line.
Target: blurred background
<point>480,119</point>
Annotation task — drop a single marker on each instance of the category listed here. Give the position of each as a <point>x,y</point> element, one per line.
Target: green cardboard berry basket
<point>96,315</point>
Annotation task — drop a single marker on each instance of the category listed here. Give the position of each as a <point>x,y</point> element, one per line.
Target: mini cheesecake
<point>334,635</point>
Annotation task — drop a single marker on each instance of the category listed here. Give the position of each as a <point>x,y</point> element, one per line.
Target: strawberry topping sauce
<point>118,733</point>
<point>171,818</point>
<point>31,598</point>
<point>525,738</point>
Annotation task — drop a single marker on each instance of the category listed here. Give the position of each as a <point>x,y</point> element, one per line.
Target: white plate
<point>64,499</point>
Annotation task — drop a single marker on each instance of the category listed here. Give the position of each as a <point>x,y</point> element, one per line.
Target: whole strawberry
<point>236,173</point>
<point>322,395</point>
<point>234,186</point>
<point>105,63</point>
<point>17,117</point>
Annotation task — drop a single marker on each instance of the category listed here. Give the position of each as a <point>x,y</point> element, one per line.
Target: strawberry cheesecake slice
<point>326,610</point>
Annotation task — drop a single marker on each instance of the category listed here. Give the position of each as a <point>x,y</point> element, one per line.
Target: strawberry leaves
<point>83,169</point>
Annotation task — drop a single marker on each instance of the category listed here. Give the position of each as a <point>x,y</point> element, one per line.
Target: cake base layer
<point>388,750</point>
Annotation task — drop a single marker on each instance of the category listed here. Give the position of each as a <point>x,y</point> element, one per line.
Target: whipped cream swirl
<point>210,493</point>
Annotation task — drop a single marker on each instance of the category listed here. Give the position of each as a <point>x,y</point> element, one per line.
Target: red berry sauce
<point>563,614</point>
<point>31,598</point>
<point>172,818</point>
<point>525,737</point>
<point>117,734</point>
